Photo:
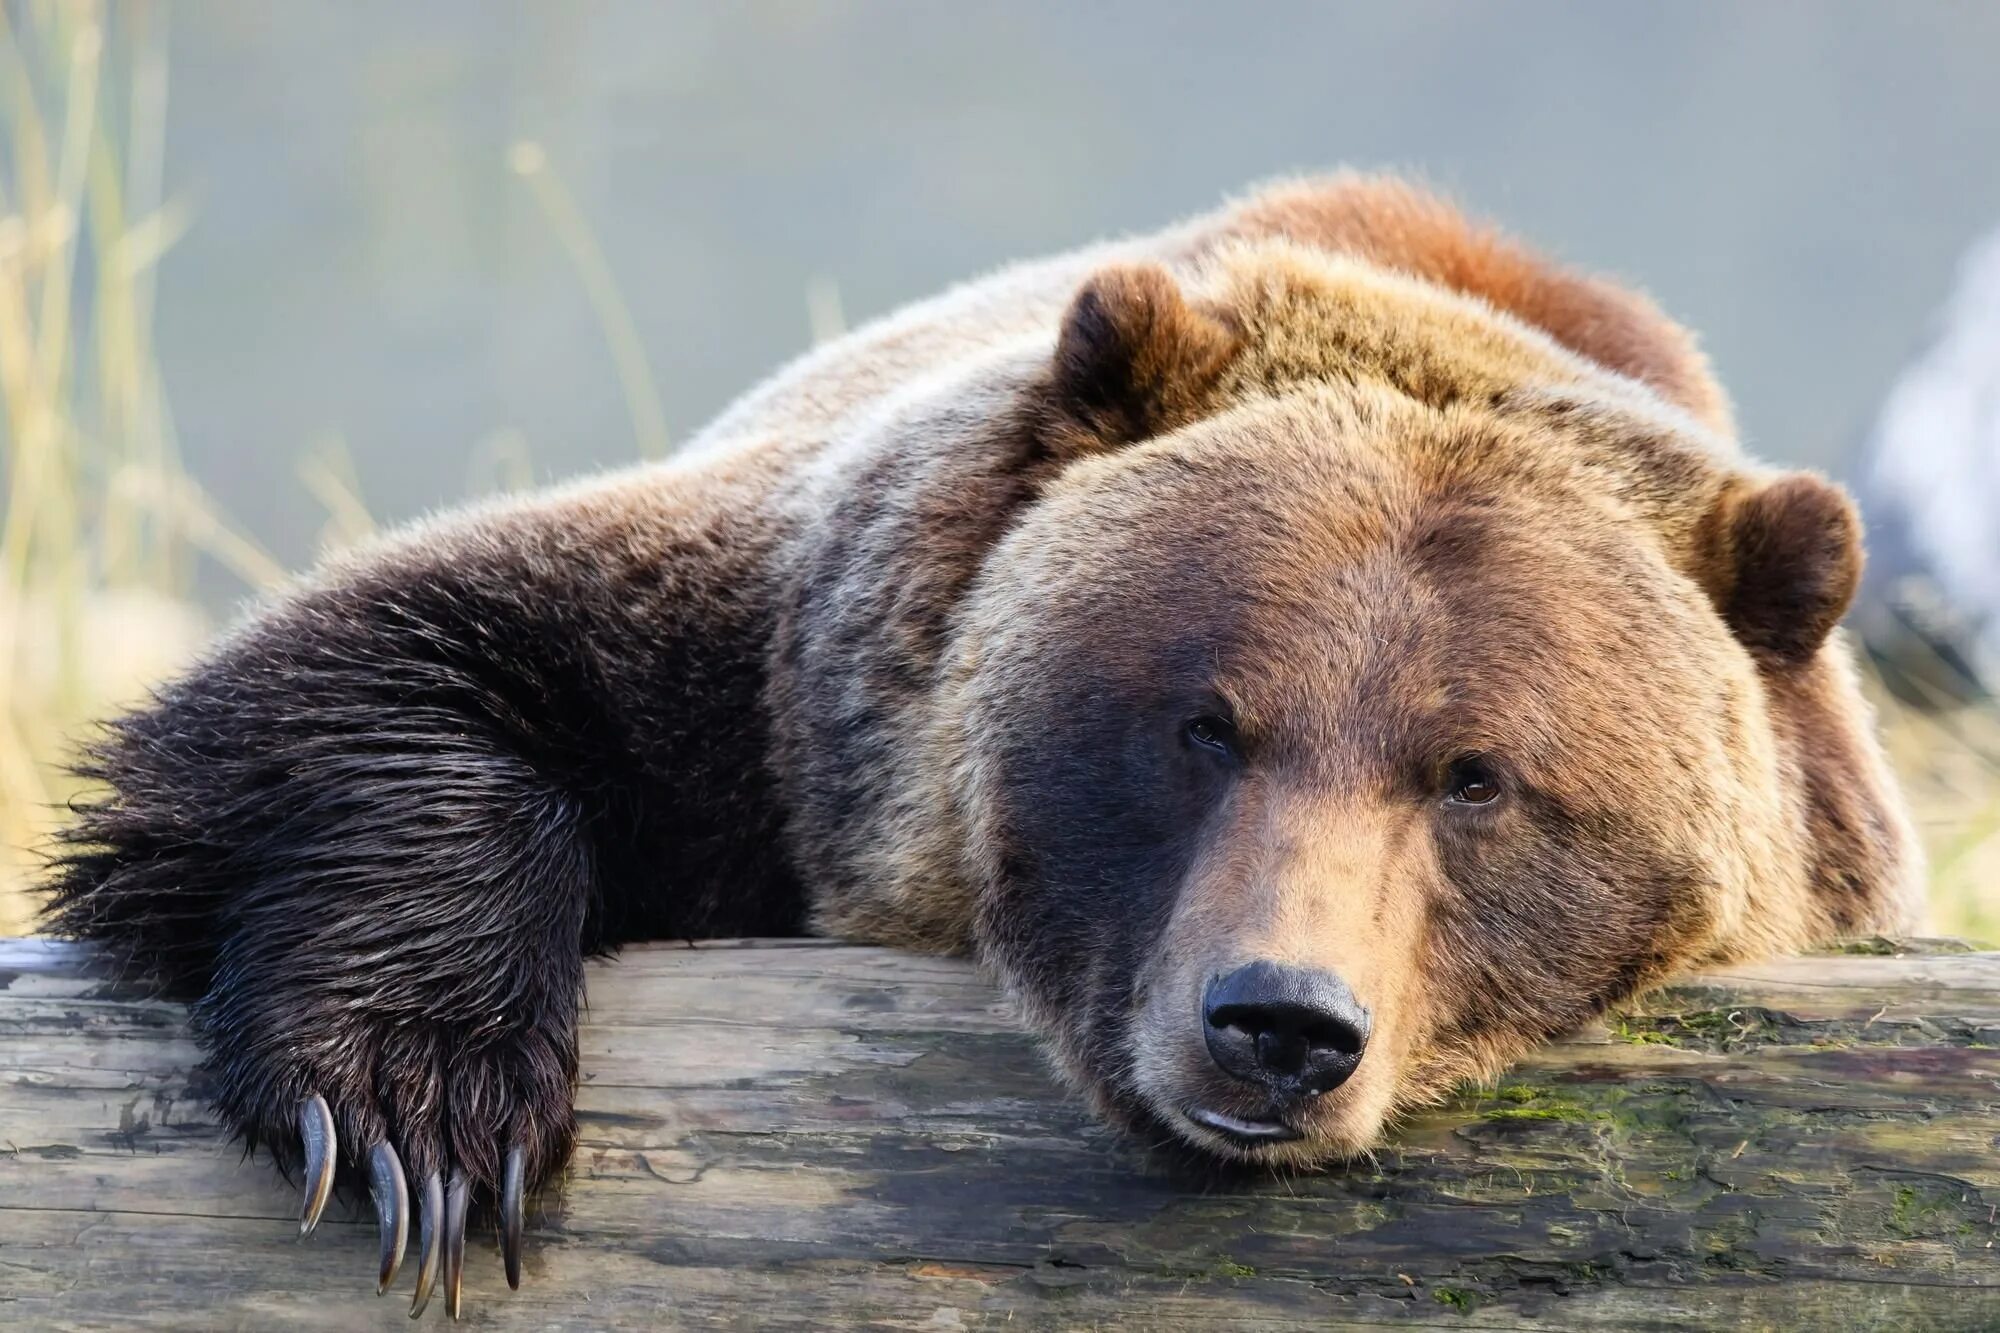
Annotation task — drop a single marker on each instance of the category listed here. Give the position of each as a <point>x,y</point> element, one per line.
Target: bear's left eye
<point>1213,733</point>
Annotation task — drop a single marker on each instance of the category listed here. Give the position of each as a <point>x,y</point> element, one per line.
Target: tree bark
<point>813,1135</point>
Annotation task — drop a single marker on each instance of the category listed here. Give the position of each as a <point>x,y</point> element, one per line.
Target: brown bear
<point>1310,654</point>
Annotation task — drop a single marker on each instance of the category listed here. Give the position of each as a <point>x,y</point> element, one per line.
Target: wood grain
<point>813,1135</point>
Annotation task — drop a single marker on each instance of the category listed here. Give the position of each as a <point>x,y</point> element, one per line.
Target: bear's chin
<point>1196,1124</point>
<point>1180,1140</point>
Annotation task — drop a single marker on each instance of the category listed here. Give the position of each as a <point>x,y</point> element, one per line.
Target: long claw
<point>427,1256</point>
<point>392,1209</point>
<point>510,1214</point>
<point>455,1200</point>
<point>322,1150</point>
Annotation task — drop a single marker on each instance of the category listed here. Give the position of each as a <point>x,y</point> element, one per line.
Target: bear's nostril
<point>1282,1052</point>
<point>1292,1031</point>
<point>1343,1035</point>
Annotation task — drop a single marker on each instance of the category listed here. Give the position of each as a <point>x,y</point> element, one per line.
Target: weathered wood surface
<point>811,1135</point>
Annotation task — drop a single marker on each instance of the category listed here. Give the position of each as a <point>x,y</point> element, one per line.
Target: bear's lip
<point>1242,1131</point>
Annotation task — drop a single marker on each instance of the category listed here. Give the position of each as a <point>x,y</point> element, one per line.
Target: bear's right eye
<point>1472,781</point>
<point>1213,733</point>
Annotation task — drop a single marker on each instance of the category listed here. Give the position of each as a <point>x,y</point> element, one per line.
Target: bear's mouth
<point>1243,1131</point>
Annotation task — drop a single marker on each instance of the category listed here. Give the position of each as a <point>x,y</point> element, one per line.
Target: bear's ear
<point>1785,561</point>
<point>1133,360</point>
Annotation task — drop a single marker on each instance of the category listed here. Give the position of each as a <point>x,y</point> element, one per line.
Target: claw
<point>427,1257</point>
<point>510,1214</point>
<point>322,1148</point>
<point>454,1239</point>
<point>392,1209</point>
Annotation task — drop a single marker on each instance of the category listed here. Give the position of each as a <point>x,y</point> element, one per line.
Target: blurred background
<point>271,275</point>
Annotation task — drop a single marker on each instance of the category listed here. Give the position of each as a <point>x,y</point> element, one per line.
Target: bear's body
<point>1324,596</point>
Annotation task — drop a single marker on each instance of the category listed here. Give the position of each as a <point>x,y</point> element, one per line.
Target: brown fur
<point>1343,416</point>
<point>1384,490</point>
<point>1393,224</point>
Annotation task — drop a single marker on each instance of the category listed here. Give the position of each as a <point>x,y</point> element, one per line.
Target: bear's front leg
<point>370,841</point>
<point>398,992</point>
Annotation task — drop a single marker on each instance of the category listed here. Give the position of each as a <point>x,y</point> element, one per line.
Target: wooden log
<point>813,1135</point>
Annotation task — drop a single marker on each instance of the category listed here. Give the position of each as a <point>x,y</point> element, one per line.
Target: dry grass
<point>103,528</point>
<point>1949,762</point>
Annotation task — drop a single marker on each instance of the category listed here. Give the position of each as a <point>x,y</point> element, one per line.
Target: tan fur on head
<point>1396,226</point>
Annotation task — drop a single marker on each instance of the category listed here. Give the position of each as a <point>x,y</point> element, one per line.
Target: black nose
<point>1296,1031</point>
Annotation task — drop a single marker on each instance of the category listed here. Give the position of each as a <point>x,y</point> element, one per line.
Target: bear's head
<point>1392,670</point>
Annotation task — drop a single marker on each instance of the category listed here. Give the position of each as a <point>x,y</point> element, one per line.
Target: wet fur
<point>765,689</point>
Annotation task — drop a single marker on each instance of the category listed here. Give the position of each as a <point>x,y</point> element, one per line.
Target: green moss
<point>1560,1111</point>
<point>1872,947</point>
<point>1221,1268</point>
<point>1458,1298</point>
<point>1905,1211</point>
<point>1915,1212</point>
<point>1537,1101</point>
<point>1639,1032</point>
<point>1700,1029</point>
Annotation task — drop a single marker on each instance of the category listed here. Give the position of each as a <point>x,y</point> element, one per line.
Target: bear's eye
<point>1213,733</point>
<point>1472,781</point>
